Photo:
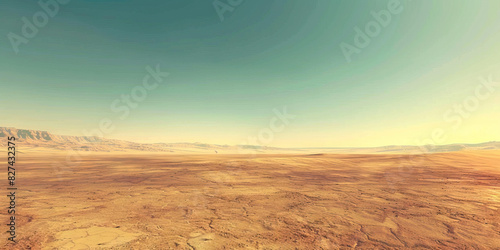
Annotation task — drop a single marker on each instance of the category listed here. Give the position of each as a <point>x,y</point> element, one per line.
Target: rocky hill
<point>43,139</point>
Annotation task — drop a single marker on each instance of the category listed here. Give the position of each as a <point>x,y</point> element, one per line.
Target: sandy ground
<point>108,201</point>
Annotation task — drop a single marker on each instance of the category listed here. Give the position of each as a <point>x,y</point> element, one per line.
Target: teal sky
<point>226,77</point>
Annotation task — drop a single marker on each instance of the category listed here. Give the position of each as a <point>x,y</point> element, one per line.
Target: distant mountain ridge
<point>36,135</point>
<point>423,148</point>
<point>43,139</point>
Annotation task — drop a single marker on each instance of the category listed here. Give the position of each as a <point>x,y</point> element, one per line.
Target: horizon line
<point>263,146</point>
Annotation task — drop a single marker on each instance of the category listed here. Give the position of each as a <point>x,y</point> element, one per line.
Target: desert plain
<point>283,201</point>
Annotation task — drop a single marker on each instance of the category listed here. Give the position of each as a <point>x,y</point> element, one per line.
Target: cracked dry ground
<point>113,201</point>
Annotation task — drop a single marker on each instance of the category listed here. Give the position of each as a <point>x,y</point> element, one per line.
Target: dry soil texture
<point>113,201</point>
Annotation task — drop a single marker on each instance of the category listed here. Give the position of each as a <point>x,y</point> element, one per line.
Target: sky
<point>411,74</point>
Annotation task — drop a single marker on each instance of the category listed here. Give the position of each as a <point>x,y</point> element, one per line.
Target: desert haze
<point>300,200</point>
<point>35,140</point>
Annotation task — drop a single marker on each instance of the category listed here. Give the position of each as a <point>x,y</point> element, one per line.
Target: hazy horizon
<point>425,148</point>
